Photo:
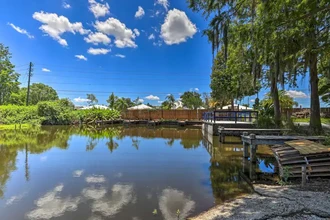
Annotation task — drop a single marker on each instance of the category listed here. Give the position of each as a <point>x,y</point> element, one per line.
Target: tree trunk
<point>315,118</point>
<point>276,100</point>
<point>232,105</point>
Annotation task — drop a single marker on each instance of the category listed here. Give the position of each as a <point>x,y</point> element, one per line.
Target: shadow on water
<point>117,171</point>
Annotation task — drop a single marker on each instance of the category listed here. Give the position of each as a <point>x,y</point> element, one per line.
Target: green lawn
<point>323,120</point>
<point>12,127</point>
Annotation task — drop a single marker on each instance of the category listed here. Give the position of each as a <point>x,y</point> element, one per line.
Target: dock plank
<point>306,147</point>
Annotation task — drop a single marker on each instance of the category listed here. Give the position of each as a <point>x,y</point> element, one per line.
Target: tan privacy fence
<point>163,114</point>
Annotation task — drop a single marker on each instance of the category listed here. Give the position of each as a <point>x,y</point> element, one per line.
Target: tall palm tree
<point>170,101</point>
<point>121,104</point>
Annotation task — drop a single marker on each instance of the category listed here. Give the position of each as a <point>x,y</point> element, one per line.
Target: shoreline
<point>275,202</point>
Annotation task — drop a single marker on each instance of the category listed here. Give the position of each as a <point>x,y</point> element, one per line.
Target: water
<point>115,173</point>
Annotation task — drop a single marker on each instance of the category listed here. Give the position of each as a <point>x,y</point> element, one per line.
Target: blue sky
<point>146,48</point>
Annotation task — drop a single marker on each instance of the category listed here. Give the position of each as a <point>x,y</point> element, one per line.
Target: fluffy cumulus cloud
<point>96,38</point>
<point>80,100</point>
<point>196,89</point>
<point>81,57</point>
<point>52,205</point>
<point>120,55</point>
<point>98,51</point>
<point>164,3</point>
<point>98,9</point>
<point>66,5</point>
<point>141,100</point>
<point>296,94</point>
<point>151,37</point>
<point>140,12</point>
<point>136,32</point>
<point>124,37</point>
<point>177,27</point>
<point>152,97</point>
<point>21,31</point>
<point>55,26</point>
<point>172,200</point>
<point>45,70</point>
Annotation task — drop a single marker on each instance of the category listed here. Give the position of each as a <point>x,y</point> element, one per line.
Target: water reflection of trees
<point>37,141</point>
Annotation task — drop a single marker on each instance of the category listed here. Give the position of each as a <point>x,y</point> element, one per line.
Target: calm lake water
<point>116,173</point>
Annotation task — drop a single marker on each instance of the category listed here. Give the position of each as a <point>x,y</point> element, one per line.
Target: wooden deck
<point>303,158</point>
<point>223,132</point>
<point>254,140</point>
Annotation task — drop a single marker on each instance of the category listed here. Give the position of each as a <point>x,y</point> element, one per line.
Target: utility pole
<point>28,88</point>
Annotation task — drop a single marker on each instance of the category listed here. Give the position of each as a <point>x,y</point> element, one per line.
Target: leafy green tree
<point>112,100</point>
<point>191,100</point>
<point>8,77</point>
<point>92,99</point>
<point>286,102</point>
<point>324,89</point>
<point>121,104</point>
<point>169,103</point>
<point>40,92</point>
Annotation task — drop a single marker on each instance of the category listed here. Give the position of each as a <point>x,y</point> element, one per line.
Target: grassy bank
<point>323,120</point>
<point>59,112</point>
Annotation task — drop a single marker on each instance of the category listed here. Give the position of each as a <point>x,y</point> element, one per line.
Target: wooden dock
<point>223,132</point>
<point>253,141</point>
<point>302,158</point>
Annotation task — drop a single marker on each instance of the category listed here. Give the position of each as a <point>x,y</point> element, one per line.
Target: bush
<point>12,114</point>
<point>56,113</point>
<point>60,112</point>
<point>92,115</point>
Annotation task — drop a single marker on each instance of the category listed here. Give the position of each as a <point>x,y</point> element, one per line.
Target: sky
<point>142,48</point>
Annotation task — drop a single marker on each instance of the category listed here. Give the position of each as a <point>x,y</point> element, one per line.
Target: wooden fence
<point>163,114</point>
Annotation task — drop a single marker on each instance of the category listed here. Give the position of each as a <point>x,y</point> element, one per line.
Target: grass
<point>323,120</point>
<point>12,126</point>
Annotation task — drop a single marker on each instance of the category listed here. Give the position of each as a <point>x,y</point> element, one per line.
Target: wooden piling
<point>303,176</point>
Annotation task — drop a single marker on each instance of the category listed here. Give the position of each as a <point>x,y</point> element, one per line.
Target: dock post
<point>303,176</point>
<point>221,135</point>
<point>253,149</point>
<point>245,147</point>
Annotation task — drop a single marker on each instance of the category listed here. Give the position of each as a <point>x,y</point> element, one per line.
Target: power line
<point>107,84</point>
<point>109,92</point>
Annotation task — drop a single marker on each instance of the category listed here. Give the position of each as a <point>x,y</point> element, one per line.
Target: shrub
<point>56,113</point>
<point>92,115</point>
<point>13,114</point>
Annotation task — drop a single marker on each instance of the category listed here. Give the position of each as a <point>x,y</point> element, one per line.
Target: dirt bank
<point>275,202</point>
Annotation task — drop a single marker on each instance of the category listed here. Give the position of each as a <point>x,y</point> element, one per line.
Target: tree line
<point>268,43</point>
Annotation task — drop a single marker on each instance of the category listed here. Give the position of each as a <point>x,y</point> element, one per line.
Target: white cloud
<point>52,205</point>
<point>96,38</point>
<point>124,37</point>
<point>45,70</point>
<point>141,100</point>
<point>94,193</point>
<point>95,179</point>
<point>81,57</point>
<point>109,206</point>
<point>151,37</point>
<point>183,203</point>
<point>14,199</point>
<point>140,12</point>
<point>136,32</point>
<point>152,97</point>
<point>296,94</point>
<point>98,9</point>
<point>21,31</point>
<point>98,51</point>
<point>252,100</point>
<point>120,55</point>
<point>164,3</point>
<point>177,27</point>
<point>55,26</point>
<point>159,43</point>
<point>78,173</point>
<point>66,5</point>
<point>196,89</point>
<point>79,100</point>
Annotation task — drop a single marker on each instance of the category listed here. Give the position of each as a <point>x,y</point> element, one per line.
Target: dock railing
<point>230,116</point>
